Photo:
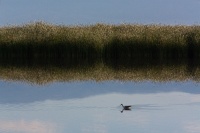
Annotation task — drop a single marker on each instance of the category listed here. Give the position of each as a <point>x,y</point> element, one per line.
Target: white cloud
<point>26,126</point>
<point>195,98</point>
<point>193,127</point>
<point>95,128</point>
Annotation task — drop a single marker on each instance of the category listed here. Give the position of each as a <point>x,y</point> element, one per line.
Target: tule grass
<point>42,53</point>
<point>100,41</point>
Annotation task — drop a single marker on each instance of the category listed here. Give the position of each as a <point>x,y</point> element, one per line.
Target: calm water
<point>103,11</point>
<point>94,107</point>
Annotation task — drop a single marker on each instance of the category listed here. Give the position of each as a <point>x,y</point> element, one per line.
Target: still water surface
<point>94,107</point>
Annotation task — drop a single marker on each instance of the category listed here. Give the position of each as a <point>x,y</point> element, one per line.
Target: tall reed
<point>40,40</point>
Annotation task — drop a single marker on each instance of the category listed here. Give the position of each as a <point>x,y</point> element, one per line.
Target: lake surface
<point>94,107</point>
<point>80,104</point>
<point>105,11</point>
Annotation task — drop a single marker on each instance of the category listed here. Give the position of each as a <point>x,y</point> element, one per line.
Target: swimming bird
<point>127,107</point>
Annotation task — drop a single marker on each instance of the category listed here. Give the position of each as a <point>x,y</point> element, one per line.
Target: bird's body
<point>127,107</point>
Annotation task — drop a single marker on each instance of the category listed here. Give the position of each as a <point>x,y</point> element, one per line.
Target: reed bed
<point>42,53</point>
<point>100,41</point>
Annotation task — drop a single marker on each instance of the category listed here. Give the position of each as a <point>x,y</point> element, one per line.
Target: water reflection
<point>95,107</point>
<point>26,127</point>
<point>45,71</point>
<point>19,92</point>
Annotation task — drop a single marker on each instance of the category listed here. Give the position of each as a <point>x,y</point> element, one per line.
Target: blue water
<point>94,107</point>
<point>73,12</point>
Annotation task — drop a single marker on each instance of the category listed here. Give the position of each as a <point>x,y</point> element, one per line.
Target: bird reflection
<point>127,107</point>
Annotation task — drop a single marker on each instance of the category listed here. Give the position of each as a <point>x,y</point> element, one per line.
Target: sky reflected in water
<point>94,107</point>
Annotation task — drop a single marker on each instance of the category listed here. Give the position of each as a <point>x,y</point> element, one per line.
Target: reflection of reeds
<point>100,72</point>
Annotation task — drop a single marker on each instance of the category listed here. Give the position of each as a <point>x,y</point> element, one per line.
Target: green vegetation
<point>42,53</point>
<point>105,42</point>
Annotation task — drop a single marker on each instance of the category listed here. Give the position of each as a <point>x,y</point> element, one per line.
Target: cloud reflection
<point>193,127</point>
<point>95,128</point>
<point>23,126</point>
